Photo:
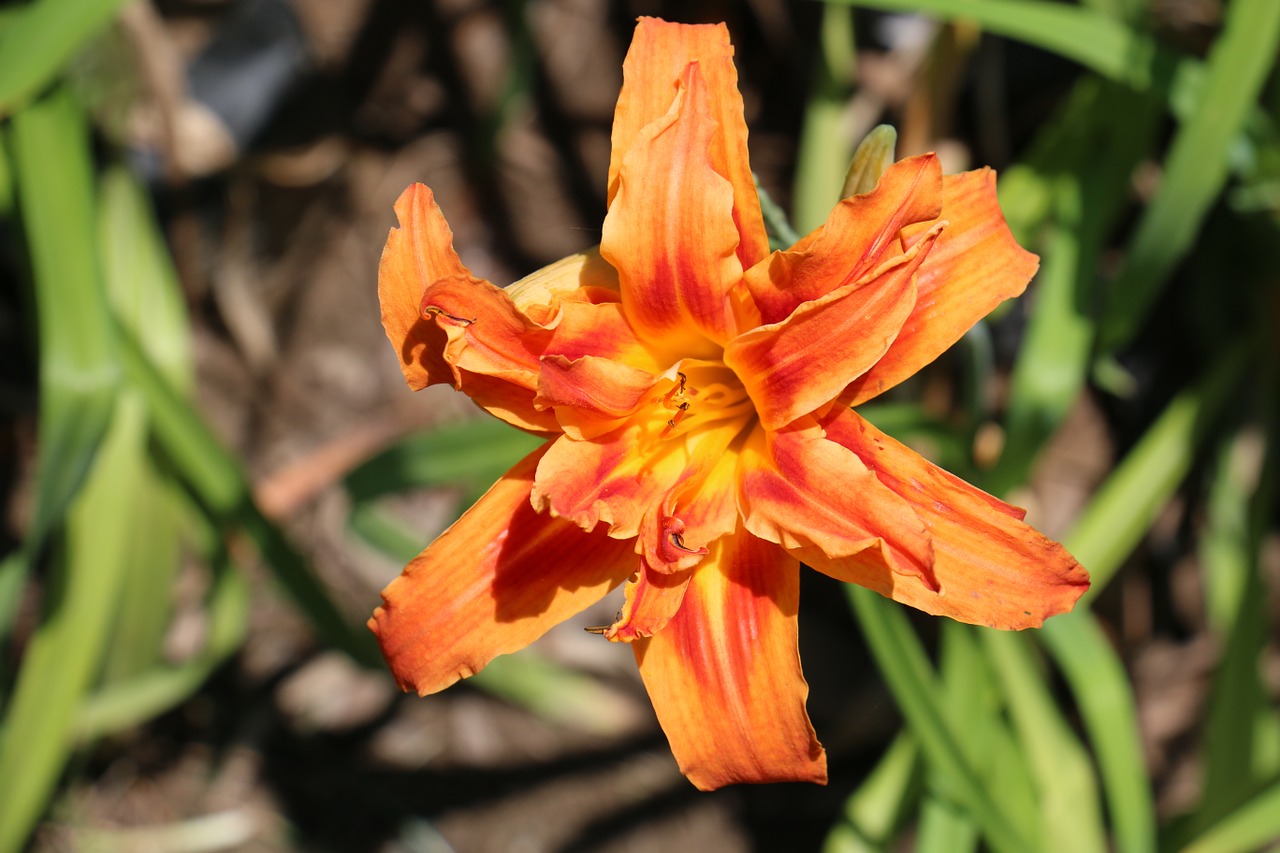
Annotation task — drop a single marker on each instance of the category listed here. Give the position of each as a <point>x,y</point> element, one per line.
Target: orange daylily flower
<point>697,395</point>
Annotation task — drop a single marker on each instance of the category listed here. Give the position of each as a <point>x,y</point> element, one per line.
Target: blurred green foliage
<point>993,752</point>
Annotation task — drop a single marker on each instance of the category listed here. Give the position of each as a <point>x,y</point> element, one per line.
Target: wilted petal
<point>491,584</point>
<point>659,54</point>
<point>669,231</point>
<point>724,674</point>
<point>794,367</point>
<point>860,234</point>
<point>974,266</point>
<point>803,491</point>
<point>992,568</point>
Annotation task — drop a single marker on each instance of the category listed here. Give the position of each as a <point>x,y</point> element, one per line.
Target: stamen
<point>676,418</point>
<point>676,392</point>
<point>719,396</point>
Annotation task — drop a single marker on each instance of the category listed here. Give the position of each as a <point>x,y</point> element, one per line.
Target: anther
<point>677,418</point>
<point>677,392</point>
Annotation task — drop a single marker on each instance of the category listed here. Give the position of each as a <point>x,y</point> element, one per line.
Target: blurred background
<point>210,464</point>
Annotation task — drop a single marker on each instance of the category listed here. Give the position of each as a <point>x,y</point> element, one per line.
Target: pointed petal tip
<point>660,54</point>
<point>993,569</point>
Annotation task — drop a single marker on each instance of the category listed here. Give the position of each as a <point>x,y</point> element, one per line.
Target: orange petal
<point>677,493</point>
<point>613,478</point>
<point>801,490</point>
<point>653,597</point>
<point>491,584</point>
<point>724,674</point>
<point>416,254</point>
<point>794,367</point>
<point>696,510</point>
<point>577,298</point>
<point>659,54</point>
<point>670,231</point>
<point>598,329</point>
<point>974,267</point>
<point>485,335</point>
<point>592,395</point>
<point>992,568</point>
<point>706,506</point>
<point>474,338</point>
<point>486,332</point>
<point>860,234</point>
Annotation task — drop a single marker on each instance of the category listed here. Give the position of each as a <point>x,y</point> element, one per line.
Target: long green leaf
<point>969,697</point>
<point>875,811</point>
<point>214,477</point>
<point>825,146</point>
<point>1111,526</point>
<point>79,367</point>
<point>1253,826</point>
<point>6,178</point>
<point>973,704</point>
<point>141,281</point>
<point>469,456</point>
<point>902,661</point>
<point>1124,10</point>
<point>1102,691</point>
<point>36,43</point>
<point>554,692</point>
<point>384,532</point>
<point>133,700</point>
<point>1069,807</point>
<point>1196,167</point>
<point>472,454</point>
<point>147,299</point>
<point>1121,512</point>
<point>1083,169</point>
<point>67,648</point>
<point>945,827</point>
<point>1241,717</point>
